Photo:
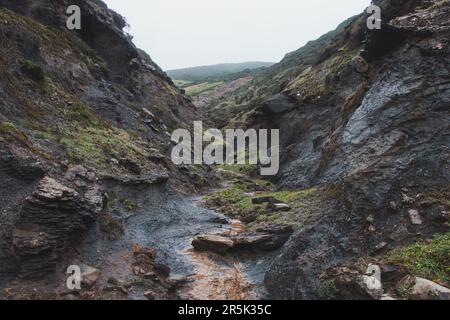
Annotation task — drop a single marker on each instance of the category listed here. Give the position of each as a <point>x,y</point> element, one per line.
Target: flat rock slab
<point>212,243</point>
<point>266,237</point>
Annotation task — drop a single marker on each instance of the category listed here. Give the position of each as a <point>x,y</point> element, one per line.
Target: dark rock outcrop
<point>265,237</point>
<point>85,107</point>
<point>389,134</point>
<point>52,219</point>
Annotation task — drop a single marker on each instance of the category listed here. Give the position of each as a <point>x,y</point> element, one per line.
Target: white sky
<point>186,33</point>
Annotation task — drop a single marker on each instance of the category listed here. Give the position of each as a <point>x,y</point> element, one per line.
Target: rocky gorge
<point>359,210</point>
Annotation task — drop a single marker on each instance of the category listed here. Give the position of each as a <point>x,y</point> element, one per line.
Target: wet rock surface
<point>212,243</point>
<point>265,237</point>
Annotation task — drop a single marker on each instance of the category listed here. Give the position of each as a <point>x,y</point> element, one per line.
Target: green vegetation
<point>137,281</point>
<point>51,120</point>
<point>429,259</point>
<point>201,87</point>
<point>182,83</point>
<point>405,288</point>
<point>440,197</point>
<point>327,290</point>
<point>34,71</point>
<point>129,204</point>
<point>95,146</point>
<point>110,226</point>
<point>7,126</point>
<point>213,73</point>
<point>237,202</point>
<point>247,169</point>
<point>11,133</point>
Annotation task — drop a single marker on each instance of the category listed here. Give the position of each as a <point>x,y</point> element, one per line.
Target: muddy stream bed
<point>168,222</point>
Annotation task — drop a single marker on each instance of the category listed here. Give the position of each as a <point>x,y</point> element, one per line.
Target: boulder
<point>266,237</point>
<point>212,243</point>
<point>424,289</point>
<point>89,276</point>
<point>51,219</point>
<point>371,282</point>
<point>278,104</point>
<point>415,217</point>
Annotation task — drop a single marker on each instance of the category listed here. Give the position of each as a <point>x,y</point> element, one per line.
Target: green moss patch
<point>236,201</point>
<point>201,87</point>
<point>34,71</point>
<point>429,259</point>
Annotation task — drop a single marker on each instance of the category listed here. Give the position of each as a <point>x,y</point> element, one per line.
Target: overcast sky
<point>186,33</point>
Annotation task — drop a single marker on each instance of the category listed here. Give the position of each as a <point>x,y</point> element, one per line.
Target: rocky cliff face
<point>373,115</point>
<point>77,108</point>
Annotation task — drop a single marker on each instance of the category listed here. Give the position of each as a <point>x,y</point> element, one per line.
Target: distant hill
<point>218,71</point>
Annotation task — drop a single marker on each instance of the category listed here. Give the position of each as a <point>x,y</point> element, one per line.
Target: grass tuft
<point>429,259</point>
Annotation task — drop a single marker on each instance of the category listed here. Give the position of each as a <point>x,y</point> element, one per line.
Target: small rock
<point>372,229</point>
<point>359,64</point>
<point>136,270</point>
<point>386,297</point>
<point>393,206</point>
<point>415,217</point>
<point>162,269</point>
<point>220,220</point>
<point>279,207</point>
<point>370,218</point>
<point>381,246</point>
<point>406,199</point>
<point>371,281</point>
<point>90,276</point>
<point>150,295</point>
<point>427,203</point>
<point>148,113</point>
<point>176,281</point>
<point>151,276</point>
<point>118,285</point>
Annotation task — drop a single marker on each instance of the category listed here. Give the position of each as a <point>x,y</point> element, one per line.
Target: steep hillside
<point>81,113</point>
<point>214,72</point>
<point>371,116</point>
